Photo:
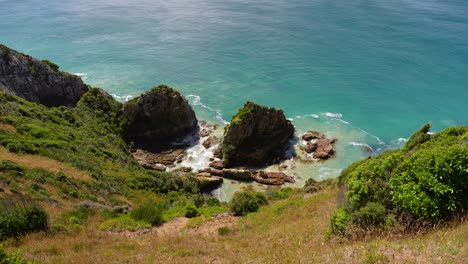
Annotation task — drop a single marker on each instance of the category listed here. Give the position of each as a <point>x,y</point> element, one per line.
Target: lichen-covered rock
<point>159,115</point>
<point>38,81</point>
<point>256,136</point>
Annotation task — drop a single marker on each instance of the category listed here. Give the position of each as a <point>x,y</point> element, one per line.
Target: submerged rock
<point>256,136</point>
<point>38,81</point>
<point>160,115</point>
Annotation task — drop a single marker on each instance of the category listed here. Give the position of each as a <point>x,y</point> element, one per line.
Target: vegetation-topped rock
<point>38,81</point>
<point>159,116</point>
<point>256,135</point>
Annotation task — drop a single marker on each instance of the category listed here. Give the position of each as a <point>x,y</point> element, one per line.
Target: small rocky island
<point>256,136</point>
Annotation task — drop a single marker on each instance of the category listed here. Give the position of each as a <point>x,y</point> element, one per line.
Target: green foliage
<point>191,212</point>
<point>247,202</point>
<point>150,213</point>
<point>274,193</point>
<point>6,54</point>
<point>418,138</point>
<point>224,230</point>
<point>51,65</point>
<point>14,258</point>
<point>373,214</point>
<point>19,219</point>
<point>427,179</point>
<point>312,186</point>
<point>122,223</point>
<point>339,221</point>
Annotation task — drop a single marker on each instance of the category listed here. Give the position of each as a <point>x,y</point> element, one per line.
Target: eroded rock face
<point>160,115</point>
<point>38,81</point>
<point>256,136</point>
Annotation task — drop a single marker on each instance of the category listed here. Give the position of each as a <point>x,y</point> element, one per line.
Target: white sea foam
<point>358,144</point>
<point>82,75</point>
<point>336,115</point>
<point>402,139</point>
<point>196,100</point>
<point>342,121</point>
<point>125,97</point>
<point>306,116</point>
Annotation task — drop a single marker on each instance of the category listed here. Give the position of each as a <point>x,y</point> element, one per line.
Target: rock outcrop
<point>318,145</point>
<point>161,115</point>
<point>256,136</point>
<point>38,81</point>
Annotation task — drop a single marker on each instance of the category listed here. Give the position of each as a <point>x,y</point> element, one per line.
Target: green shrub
<point>224,230</point>
<point>191,212</point>
<point>373,214</point>
<point>150,213</point>
<point>51,65</point>
<point>418,138</point>
<point>247,202</point>
<point>122,223</point>
<point>22,220</point>
<point>13,258</point>
<point>339,221</point>
<point>213,202</point>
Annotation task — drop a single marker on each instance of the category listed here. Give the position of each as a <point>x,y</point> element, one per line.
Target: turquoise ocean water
<point>368,72</point>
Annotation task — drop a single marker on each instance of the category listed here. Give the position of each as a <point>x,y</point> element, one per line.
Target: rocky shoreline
<point>162,127</point>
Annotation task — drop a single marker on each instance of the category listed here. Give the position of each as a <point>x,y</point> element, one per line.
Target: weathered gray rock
<point>256,135</point>
<point>38,81</point>
<point>160,115</point>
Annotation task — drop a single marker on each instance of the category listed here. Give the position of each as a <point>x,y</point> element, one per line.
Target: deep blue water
<point>382,68</point>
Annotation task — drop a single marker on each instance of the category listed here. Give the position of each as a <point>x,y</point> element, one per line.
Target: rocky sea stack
<point>38,81</point>
<point>256,136</point>
<point>159,116</point>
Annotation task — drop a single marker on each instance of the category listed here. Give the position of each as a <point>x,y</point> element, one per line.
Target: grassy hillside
<point>59,157</point>
<point>286,231</point>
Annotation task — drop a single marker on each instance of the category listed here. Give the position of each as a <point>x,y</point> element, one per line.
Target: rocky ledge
<point>318,145</point>
<point>256,136</point>
<point>38,81</point>
<point>263,177</point>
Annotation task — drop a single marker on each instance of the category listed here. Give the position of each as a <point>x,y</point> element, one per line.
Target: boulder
<point>38,81</point>
<point>237,174</point>
<point>256,136</point>
<point>325,148</point>
<point>218,164</point>
<point>158,161</point>
<point>160,115</point>
<point>309,135</point>
<point>272,178</point>
<point>311,147</point>
<point>210,141</point>
<point>207,184</point>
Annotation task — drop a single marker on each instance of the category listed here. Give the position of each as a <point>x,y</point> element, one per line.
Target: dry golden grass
<point>289,231</point>
<point>36,161</point>
<point>7,128</point>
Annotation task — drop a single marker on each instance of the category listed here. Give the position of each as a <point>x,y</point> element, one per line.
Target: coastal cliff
<point>38,81</point>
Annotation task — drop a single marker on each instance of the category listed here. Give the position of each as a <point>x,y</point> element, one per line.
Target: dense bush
<point>373,214</point>
<point>191,212</point>
<point>339,221</point>
<point>22,220</point>
<point>150,213</point>
<point>247,202</point>
<point>426,180</point>
<point>14,258</point>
